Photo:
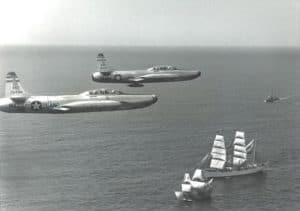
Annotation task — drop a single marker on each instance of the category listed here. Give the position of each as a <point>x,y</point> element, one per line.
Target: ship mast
<point>254,151</point>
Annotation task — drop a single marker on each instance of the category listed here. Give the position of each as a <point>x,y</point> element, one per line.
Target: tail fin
<point>13,86</point>
<point>101,63</point>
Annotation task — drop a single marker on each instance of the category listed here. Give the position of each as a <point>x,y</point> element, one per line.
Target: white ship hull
<point>213,173</point>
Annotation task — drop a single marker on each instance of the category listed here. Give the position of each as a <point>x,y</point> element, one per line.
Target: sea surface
<point>135,160</point>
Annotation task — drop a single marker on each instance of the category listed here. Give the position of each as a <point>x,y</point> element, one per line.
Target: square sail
<point>218,153</point>
<point>239,149</point>
<point>217,164</point>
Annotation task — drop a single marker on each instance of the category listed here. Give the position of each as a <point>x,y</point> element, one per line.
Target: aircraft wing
<point>153,76</point>
<point>61,109</point>
<point>86,105</point>
<point>160,75</point>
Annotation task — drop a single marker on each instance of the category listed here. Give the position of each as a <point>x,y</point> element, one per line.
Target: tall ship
<point>196,188</point>
<point>235,160</point>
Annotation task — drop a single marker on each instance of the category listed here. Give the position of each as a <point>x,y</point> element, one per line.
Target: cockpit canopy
<point>103,92</point>
<point>163,68</point>
<point>106,73</point>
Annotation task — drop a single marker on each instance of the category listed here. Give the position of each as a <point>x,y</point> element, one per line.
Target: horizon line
<point>151,46</point>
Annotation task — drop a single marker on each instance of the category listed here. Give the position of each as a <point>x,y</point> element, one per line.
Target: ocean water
<point>134,160</point>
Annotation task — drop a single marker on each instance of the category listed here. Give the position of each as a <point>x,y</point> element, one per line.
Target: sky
<point>150,22</point>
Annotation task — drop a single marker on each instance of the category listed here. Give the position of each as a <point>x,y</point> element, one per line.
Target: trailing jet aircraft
<point>136,78</point>
<point>16,100</point>
<point>272,99</point>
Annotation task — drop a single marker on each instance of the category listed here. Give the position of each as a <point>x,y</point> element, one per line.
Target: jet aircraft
<point>136,78</point>
<point>16,100</point>
<point>272,99</point>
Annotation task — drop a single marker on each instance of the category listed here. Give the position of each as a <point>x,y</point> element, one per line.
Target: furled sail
<point>239,149</point>
<point>218,153</point>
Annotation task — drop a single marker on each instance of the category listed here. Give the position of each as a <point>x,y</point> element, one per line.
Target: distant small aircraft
<point>272,99</point>
<point>136,78</point>
<point>16,100</point>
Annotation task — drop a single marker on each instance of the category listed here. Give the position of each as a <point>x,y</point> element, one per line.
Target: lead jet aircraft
<point>136,78</point>
<point>16,100</point>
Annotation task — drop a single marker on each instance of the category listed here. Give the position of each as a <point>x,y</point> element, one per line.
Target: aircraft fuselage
<point>76,103</point>
<point>145,76</point>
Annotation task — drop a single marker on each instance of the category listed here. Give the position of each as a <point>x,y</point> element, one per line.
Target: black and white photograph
<point>150,105</point>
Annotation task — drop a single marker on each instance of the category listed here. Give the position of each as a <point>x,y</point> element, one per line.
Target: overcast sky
<point>150,22</point>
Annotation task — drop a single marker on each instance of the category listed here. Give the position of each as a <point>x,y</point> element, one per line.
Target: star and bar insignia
<point>36,105</point>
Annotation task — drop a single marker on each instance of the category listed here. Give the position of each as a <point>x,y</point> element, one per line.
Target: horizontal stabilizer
<point>19,98</point>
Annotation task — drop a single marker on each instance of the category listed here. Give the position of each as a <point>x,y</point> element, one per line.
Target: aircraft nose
<point>154,98</point>
<point>96,76</point>
<point>193,74</point>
